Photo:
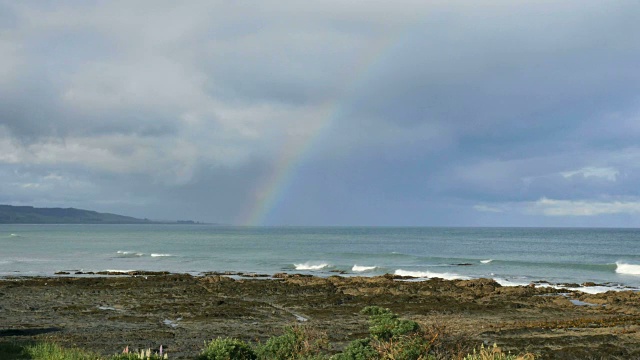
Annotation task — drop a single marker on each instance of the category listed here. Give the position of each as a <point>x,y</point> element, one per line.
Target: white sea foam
<point>357,268</point>
<point>627,269</point>
<point>505,282</point>
<point>14,235</point>
<point>429,274</point>
<point>119,271</point>
<point>161,255</point>
<point>311,266</point>
<point>486,261</point>
<point>584,289</point>
<point>594,289</point>
<point>122,253</point>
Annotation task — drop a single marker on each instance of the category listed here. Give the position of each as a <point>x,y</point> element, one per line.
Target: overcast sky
<point>473,113</point>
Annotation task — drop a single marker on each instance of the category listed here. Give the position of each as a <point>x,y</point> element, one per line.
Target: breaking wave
<point>128,254</point>
<point>311,266</point>
<point>161,255</point>
<point>429,274</point>
<point>486,261</point>
<point>357,268</point>
<point>627,269</point>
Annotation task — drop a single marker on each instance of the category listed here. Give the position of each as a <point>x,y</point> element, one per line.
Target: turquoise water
<point>509,255</point>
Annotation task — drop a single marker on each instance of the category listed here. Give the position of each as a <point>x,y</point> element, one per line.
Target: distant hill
<point>30,215</point>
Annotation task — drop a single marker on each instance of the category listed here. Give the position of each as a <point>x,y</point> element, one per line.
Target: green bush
<point>360,349</point>
<point>297,342</point>
<point>384,324</point>
<point>392,338</point>
<point>405,347</point>
<point>227,349</point>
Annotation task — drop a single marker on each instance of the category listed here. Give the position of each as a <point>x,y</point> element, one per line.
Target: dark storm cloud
<point>431,113</point>
<point>509,68</point>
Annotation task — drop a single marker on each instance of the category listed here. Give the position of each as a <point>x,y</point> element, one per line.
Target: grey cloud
<point>421,107</point>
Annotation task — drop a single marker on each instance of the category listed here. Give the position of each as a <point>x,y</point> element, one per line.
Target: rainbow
<point>273,188</point>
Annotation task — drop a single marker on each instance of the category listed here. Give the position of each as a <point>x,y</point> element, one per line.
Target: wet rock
<point>478,283</point>
<point>569,285</point>
<point>517,318</point>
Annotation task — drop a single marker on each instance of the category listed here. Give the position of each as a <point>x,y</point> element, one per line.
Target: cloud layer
<point>411,113</point>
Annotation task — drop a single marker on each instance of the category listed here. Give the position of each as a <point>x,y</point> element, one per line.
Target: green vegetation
<point>31,215</point>
<point>51,351</point>
<point>390,338</point>
<point>296,343</point>
<point>494,353</point>
<point>386,325</point>
<point>223,349</point>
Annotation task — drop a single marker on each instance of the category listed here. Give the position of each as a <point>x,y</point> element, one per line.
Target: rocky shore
<point>181,312</point>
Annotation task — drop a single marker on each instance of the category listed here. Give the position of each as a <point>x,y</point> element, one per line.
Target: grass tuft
<point>495,353</point>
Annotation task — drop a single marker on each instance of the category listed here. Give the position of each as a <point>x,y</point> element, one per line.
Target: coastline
<point>588,287</point>
<point>180,311</point>
<point>546,257</point>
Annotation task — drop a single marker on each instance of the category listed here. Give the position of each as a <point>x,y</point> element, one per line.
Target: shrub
<point>360,349</point>
<point>393,338</point>
<point>384,324</point>
<point>227,349</point>
<point>405,347</point>
<point>297,342</point>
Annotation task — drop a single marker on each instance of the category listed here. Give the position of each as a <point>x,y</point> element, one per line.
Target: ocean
<point>512,256</point>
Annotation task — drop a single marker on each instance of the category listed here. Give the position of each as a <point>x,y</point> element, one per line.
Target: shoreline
<point>588,287</point>
<point>181,311</point>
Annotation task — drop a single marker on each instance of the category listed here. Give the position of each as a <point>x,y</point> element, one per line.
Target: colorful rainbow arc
<point>273,188</point>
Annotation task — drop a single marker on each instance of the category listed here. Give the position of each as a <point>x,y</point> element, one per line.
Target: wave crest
<point>357,268</point>
<point>129,254</point>
<point>311,266</point>
<point>486,261</point>
<point>161,255</point>
<point>429,274</point>
<point>627,269</point>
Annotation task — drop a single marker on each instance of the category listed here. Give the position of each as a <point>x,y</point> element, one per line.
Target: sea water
<point>511,256</point>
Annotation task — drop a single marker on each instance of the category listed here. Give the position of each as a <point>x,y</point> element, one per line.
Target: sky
<point>383,113</point>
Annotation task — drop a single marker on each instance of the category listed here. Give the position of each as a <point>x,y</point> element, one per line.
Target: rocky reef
<point>181,311</point>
